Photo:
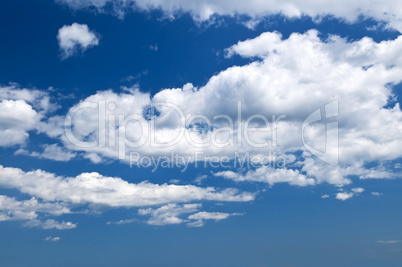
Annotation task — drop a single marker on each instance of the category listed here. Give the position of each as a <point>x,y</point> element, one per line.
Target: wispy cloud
<point>50,224</point>
<point>52,239</point>
<point>53,152</point>
<point>172,214</point>
<point>127,221</point>
<point>388,241</point>
<point>376,194</point>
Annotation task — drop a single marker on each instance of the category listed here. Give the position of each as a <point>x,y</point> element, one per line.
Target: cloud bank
<point>291,78</point>
<point>388,10</point>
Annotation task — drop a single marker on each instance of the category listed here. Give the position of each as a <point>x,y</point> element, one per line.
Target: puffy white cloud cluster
<point>293,77</point>
<point>29,210</point>
<point>24,111</point>
<point>21,111</point>
<point>386,10</point>
<point>59,194</point>
<point>12,209</point>
<point>74,38</point>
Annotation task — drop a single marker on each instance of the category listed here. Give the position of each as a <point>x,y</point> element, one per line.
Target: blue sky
<point>313,191</point>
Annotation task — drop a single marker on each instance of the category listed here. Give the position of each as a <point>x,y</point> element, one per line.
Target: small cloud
<point>200,217</point>
<point>376,194</point>
<point>93,157</point>
<point>174,181</point>
<point>172,214</point>
<point>252,23</point>
<point>52,239</point>
<point>380,26</point>
<point>154,47</point>
<point>127,78</point>
<point>344,195</point>
<point>168,214</point>
<point>128,221</point>
<point>358,190</point>
<point>388,241</point>
<point>200,178</point>
<point>134,77</point>
<point>325,196</point>
<point>76,37</point>
<point>132,89</point>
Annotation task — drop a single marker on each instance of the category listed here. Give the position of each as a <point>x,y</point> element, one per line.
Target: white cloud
<point>76,37</point>
<point>388,241</point>
<point>200,178</point>
<point>291,77</point>
<point>128,221</point>
<point>38,99</point>
<point>93,188</point>
<point>50,224</point>
<point>21,111</point>
<point>168,214</point>
<point>325,196</point>
<point>154,47</point>
<point>29,210</point>
<point>270,176</point>
<point>12,209</point>
<point>358,190</point>
<point>52,239</point>
<point>85,3</point>
<point>94,158</point>
<point>200,217</point>
<point>171,213</point>
<point>53,127</point>
<point>17,117</point>
<point>387,10</point>
<point>376,194</point>
<point>347,195</point>
<point>280,82</point>
<point>53,152</point>
<point>344,196</point>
